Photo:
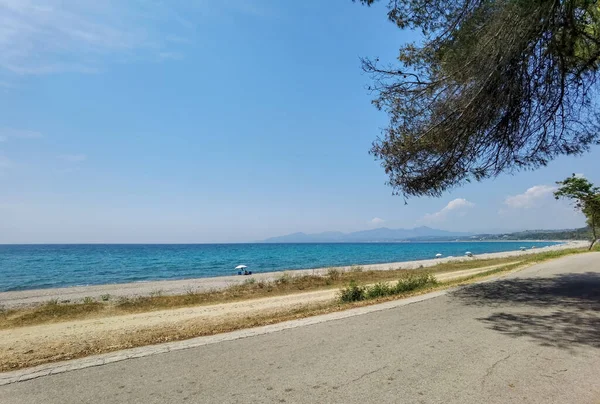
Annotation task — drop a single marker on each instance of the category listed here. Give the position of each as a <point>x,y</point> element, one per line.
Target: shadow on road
<point>567,308</point>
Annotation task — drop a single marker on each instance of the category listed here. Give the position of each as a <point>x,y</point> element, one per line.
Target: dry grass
<point>103,342</point>
<point>286,284</point>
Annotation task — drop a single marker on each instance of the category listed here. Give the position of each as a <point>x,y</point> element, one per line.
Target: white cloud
<point>376,221</point>
<point>35,33</point>
<point>529,198</point>
<point>9,133</point>
<point>52,36</point>
<point>73,158</point>
<point>458,205</point>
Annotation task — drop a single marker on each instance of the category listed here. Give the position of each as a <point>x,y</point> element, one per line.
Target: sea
<point>24,267</point>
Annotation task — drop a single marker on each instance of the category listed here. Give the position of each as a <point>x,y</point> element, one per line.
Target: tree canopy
<point>585,197</point>
<point>495,86</point>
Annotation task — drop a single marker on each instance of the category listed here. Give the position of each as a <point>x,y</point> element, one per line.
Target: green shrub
<point>355,293</point>
<point>356,268</point>
<point>413,282</point>
<point>380,289</point>
<point>88,300</point>
<point>105,298</point>
<point>352,293</point>
<point>250,281</point>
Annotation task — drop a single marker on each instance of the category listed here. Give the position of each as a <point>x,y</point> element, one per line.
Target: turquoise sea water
<point>46,266</point>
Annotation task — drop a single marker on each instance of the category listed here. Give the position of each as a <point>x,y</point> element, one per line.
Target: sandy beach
<point>62,339</point>
<point>175,287</point>
<point>103,331</point>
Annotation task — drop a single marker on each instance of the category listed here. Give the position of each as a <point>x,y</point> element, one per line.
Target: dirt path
<point>37,344</point>
<point>527,337</point>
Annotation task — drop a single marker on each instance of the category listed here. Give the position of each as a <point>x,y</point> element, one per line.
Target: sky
<point>131,121</point>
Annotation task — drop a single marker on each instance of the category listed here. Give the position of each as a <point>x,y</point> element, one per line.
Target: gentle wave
<point>24,267</point>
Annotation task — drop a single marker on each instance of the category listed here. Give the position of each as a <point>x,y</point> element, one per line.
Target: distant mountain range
<point>381,234</point>
<point>583,233</point>
<point>424,233</point>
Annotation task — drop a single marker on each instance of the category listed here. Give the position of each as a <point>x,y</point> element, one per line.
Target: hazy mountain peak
<point>381,234</point>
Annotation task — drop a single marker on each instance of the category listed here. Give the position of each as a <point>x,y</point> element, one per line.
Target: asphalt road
<point>532,337</point>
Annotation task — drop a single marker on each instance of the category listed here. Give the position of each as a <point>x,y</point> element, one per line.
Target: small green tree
<point>585,197</point>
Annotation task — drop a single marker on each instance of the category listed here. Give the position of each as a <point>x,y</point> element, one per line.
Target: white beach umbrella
<point>241,267</point>
<point>469,254</point>
<point>438,255</point>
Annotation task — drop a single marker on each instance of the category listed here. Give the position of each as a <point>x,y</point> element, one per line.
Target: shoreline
<point>305,242</point>
<point>68,266</point>
<point>73,294</point>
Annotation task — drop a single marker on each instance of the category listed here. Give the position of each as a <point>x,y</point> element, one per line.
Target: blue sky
<point>205,121</point>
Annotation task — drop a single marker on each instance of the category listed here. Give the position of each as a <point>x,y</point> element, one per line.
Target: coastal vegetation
<point>56,311</point>
<point>582,233</point>
<point>586,199</point>
<point>355,293</point>
<point>365,288</point>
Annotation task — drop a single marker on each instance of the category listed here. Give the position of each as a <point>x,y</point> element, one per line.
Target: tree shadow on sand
<point>567,308</point>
